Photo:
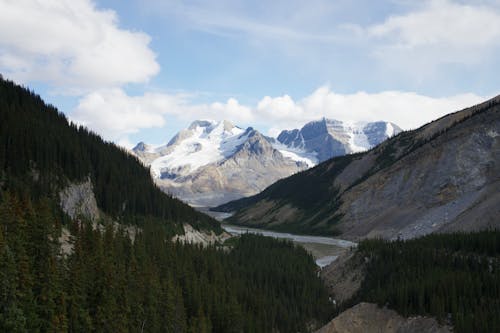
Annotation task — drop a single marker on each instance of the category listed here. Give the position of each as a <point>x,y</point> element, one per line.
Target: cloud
<point>71,44</point>
<point>115,115</point>
<point>439,32</point>
<point>406,109</point>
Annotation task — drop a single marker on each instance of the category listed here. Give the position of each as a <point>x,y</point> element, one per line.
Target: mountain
<point>43,155</point>
<point>438,178</point>
<point>211,162</point>
<point>327,138</point>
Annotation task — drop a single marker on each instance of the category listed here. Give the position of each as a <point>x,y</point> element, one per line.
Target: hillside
<point>42,154</point>
<point>440,177</point>
<point>454,278</point>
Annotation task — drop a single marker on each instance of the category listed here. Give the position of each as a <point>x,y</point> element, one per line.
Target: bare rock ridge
<point>368,317</point>
<point>211,162</point>
<point>444,176</point>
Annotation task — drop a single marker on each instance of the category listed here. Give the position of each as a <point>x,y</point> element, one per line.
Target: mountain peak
<point>327,138</point>
<point>201,123</point>
<point>142,147</point>
<point>210,125</point>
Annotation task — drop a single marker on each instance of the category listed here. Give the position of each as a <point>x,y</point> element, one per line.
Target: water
<point>324,249</point>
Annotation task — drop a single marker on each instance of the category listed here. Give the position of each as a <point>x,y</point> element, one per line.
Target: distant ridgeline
<point>41,153</point>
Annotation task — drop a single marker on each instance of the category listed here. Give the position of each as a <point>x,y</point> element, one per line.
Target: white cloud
<point>230,110</point>
<point>114,115</point>
<point>440,31</point>
<point>406,109</point>
<point>71,44</point>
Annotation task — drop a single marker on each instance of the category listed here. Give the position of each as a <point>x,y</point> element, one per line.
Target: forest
<point>453,277</point>
<point>112,281</point>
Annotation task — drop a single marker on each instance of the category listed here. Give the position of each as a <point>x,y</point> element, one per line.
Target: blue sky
<point>143,70</point>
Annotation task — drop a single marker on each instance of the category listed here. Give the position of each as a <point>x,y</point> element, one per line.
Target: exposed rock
<point>194,236</point>
<point>367,317</point>
<point>65,241</point>
<point>79,199</point>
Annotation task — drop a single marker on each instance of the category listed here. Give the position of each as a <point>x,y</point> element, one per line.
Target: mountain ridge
<point>417,182</point>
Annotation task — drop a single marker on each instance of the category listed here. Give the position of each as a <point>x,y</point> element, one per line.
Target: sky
<point>143,70</point>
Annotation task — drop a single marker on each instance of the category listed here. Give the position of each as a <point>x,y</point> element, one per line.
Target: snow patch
<point>389,130</point>
<point>296,154</point>
<point>358,141</point>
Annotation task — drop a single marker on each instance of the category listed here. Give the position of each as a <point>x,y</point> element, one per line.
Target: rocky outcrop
<point>193,236</point>
<point>79,199</point>
<point>367,317</point>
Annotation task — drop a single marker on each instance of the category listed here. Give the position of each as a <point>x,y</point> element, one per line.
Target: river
<point>324,249</point>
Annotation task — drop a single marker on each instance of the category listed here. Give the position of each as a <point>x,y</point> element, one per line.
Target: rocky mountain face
<point>214,162</point>
<point>441,177</point>
<point>327,138</point>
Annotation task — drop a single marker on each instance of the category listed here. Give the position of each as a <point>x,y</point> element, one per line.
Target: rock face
<point>367,317</point>
<point>441,177</point>
<point>214,162</point>
<point>79,199</point>
<point>193,236</point>
<point>327,138</point>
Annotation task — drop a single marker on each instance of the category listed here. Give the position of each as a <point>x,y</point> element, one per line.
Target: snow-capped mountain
<point>327,138</point>
<point>211,162</point>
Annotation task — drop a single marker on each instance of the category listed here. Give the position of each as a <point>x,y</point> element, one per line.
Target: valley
<point>324,249</point>
<point>249,166</point>
<point>442,177</point>
<point>312,242</point>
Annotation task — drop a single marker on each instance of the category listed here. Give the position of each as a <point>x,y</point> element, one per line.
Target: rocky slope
<point>327,138</point>
<point>214,162</point>
<point>441,177</point>
<point>367,317</point>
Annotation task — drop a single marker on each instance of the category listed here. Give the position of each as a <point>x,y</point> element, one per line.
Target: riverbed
<point>324,249</point>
